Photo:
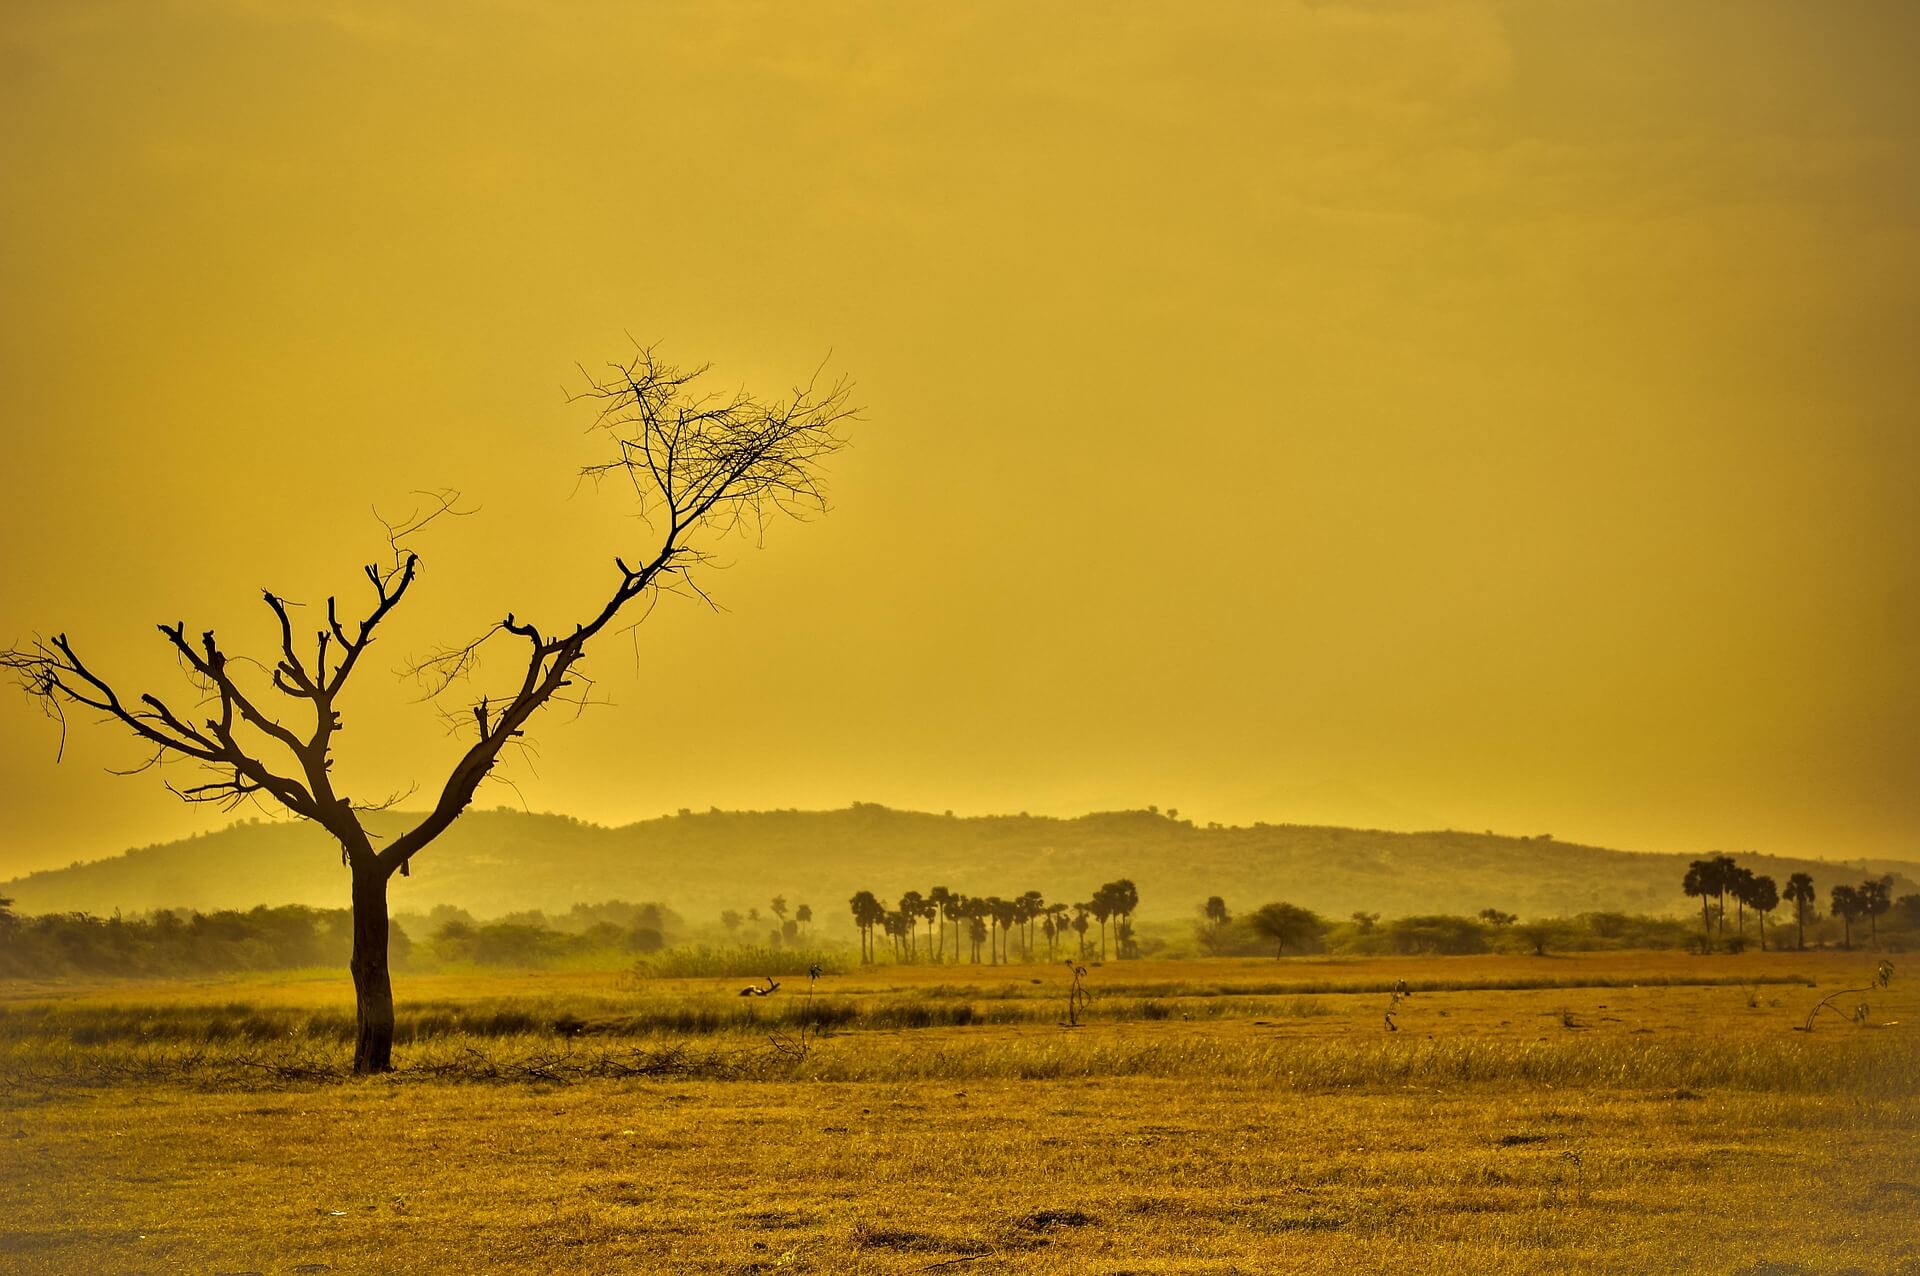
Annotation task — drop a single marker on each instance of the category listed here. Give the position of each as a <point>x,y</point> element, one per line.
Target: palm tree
<point>1702,881</point>
<point>976,929</point>
<point>1285,924</point>
<point>1032,904</point>
<point>1123,897</point>
<point>1005,911</point>
<point>1216,912</point>
<point>1764,896</point>
<point>1740,886</point>
<point>930,914</point>
<point>942,901</point>
<point>804,915</point>
<point>1800,891</point>
<point>1102,909</point>
<point>867,913</point>
<point>1847,905</point>
<point>910,905</point>
<point>1876,897</point>
<point>1724,869</point>
<point>954,910</point>
<point>1053,925</point>
<point>1079,924</point>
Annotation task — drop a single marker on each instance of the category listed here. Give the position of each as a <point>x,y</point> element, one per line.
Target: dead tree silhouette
<point>701,463</point>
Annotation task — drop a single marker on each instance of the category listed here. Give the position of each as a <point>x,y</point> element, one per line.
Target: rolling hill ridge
<point>502,860</point>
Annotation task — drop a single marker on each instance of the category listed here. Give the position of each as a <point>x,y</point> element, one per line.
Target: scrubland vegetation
<point>619,1087</point>
<point>1605,1111</point>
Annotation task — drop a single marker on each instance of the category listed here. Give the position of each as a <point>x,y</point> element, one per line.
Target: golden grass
<point>1673,1126</point>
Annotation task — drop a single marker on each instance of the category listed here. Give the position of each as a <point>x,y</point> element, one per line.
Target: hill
<point>498,861</point>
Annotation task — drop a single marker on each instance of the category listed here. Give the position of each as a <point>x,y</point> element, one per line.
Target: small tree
<point>1538,934</point>
<point>1286,925</point>
<point>699,463</point>
<point>1801,892</point>
<point>1494,917</point>
<point>731,919</point>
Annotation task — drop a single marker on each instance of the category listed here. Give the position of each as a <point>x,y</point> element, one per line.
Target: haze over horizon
<point>1452,414</point>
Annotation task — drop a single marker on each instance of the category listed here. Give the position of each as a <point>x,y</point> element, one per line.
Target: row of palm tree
<point>1869,899</point>
<point>992,921</point>
<point>1718,876</point>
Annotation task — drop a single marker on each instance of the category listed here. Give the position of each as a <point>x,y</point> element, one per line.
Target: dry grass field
<point>1619,1112</point>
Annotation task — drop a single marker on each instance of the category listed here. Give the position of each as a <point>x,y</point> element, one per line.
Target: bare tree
<point>701,464</point>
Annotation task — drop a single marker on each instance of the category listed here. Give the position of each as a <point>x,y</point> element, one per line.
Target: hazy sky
<point>1414,415</point>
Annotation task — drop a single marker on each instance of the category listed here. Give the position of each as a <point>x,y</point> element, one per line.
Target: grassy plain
<point>1629,1112</point>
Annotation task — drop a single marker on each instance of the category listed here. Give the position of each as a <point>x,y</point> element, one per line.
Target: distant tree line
<point>787,932</point>
<point>585,934</point>
<point>1280,928</point>
<point>993,922</point>
<point>176,942</point>
<point>1718,878</point>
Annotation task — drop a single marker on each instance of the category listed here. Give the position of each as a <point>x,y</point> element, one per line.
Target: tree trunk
<point>373,989</point>
<point>1800,920</point>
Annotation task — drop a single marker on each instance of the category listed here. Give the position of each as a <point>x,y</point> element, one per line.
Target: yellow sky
<point>1413,415</point>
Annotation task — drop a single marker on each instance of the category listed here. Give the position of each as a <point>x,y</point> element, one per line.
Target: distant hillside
<point>498,861</point>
